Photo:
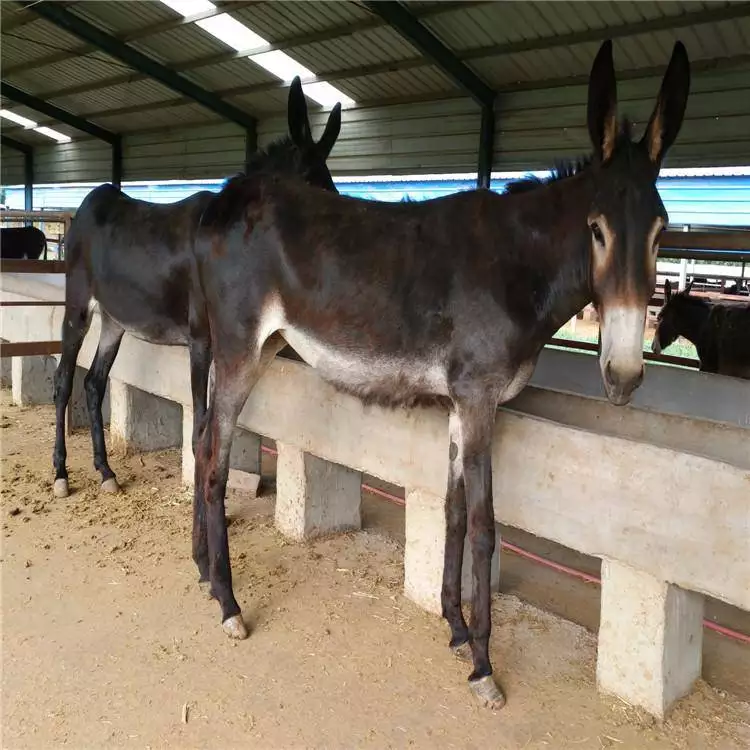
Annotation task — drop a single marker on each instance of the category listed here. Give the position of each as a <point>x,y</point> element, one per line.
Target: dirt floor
<point>107,641</point>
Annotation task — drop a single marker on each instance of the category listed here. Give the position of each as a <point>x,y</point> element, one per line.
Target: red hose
<point>396,500</point>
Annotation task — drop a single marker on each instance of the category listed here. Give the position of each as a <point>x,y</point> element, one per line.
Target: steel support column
<point>28,169</point>
<point>251,146</point>
<point>117,162</point>
<point>486,147</point>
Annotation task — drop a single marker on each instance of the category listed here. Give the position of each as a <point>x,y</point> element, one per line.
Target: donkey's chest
<point>386,379</point>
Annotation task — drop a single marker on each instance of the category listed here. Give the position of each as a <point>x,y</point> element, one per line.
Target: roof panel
<point>37,39</point>
<point>239,72</point>
<point>419,83</point>
<point>123,18</point>
<point>171,117</point>
<point>282,19</point>
<point>367,48</point>
<point>180,45</point>
<point>78,71</point>
<point>479,26</point>
<point>12,12</point>
<point>115,97</point>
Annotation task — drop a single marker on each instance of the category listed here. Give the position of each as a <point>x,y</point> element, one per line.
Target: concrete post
<point>425,552</point>
<point>245,454</point>
<point>33,379</point>
<point>650,638</point>
<point>140,421</point>
<point>313,496</point>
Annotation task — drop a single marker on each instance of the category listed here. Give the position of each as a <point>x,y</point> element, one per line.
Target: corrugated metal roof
<point>121,18</point>
<point>171,117</point>
<point>180,45</point>
<point>225,75</point>
<point>50,79</point>
<point>373,63</point>
<point>282,19</point>
<point>140,93</point>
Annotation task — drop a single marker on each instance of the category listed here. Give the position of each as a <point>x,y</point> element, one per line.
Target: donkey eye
<point>597,232</point>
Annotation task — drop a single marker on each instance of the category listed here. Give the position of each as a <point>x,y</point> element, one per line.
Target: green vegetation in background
<point>680,348</point>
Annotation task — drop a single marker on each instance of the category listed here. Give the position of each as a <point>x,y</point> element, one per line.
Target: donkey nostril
<point>608,371</point>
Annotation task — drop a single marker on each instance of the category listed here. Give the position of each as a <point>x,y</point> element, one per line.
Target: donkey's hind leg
<point>210,541</point>
<point>75,325</point>
<point>95,385</point>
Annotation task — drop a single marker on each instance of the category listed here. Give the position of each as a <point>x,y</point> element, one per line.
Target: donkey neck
<point>554,217</point>
<point>691,323</point>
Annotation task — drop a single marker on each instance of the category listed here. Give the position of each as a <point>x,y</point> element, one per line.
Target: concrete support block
<point>424,556</point>
<point>650,638</point>
<point>140,421</point>
<point>33,379</point>
<point>313,496</point>
<point>188,459</point>
<point>245,455</point>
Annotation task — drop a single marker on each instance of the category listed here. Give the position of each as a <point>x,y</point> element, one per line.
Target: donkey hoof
<point>488,692</point>
<point>205,587</point>
<point>60,488</point>
<point>234,627</point>
<point>462,652</point>
<point>110,486</point>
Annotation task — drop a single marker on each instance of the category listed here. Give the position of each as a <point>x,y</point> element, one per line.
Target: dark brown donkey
<point>450,299</point>
<point>135,260</point>
<point>719,330</point>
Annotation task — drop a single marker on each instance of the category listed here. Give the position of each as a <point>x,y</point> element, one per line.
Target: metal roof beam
<point>39,105</point>
<point>8,142</point>
<point>408,26</point>
<point>86,31</point>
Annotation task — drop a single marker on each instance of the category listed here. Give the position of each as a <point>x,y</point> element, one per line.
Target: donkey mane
<point>563,169</point>
<point>280,156</point>
<point>560,171</point>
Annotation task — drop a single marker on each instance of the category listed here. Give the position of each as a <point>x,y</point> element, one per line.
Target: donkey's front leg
<point>481,522</point>
<point>455,533</point>
<point>476,419</point>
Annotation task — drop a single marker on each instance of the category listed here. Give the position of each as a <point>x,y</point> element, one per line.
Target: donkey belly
<point>145,324</point>
<point>386,379</point>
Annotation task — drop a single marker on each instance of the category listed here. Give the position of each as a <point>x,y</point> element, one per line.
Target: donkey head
<point>626,216</point>
<point>312,155</point>
<point>671,317</point>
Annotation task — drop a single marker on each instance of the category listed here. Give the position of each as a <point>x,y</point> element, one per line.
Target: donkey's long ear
<point>602,106</point>
<point>665,122</point>
<point>331,133</point>
<point>667,291</point>
<point>688,286</point>
<point>299,125</point>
